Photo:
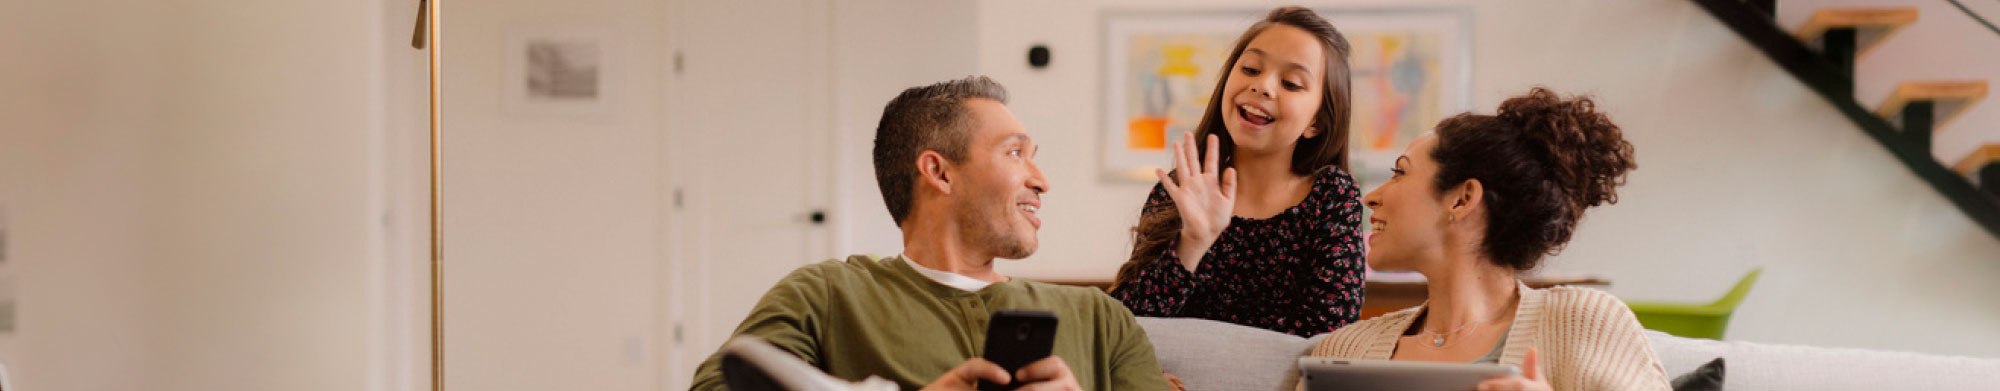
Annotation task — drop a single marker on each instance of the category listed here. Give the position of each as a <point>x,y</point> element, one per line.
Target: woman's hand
<point>1531,379</point>
<point>1205,196</point>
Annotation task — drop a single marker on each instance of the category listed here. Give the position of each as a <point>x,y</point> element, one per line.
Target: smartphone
<point>1016,338</point>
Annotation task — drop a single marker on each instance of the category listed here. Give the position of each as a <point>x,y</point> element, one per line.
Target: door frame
<point>684,204</point>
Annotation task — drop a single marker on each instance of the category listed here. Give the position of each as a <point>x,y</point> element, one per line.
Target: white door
<point>748,137</point>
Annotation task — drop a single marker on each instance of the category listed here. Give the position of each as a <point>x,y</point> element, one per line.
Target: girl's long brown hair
<point>1162,225</point>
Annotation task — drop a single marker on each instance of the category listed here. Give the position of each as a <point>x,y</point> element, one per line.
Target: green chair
<point>1695,320</point>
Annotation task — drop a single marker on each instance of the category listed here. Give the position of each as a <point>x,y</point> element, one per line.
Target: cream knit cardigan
<point>1585,340</point>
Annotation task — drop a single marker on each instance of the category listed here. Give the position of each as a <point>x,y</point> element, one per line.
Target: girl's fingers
<point>1188,155</point>
<point>1229,182</point>
<point>1173,190</point>
<point>1213,151</point>
<point>1181,164</point>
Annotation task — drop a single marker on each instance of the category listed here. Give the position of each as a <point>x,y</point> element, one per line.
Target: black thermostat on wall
<point>1038,56</point>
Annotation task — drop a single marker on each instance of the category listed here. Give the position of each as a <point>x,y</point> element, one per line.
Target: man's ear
<point>934,171</point>
<point>1467,198</point>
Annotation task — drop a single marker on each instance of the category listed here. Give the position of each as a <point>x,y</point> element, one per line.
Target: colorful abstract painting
<point>1409,70</point>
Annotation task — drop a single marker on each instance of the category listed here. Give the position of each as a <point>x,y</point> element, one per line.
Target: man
<point>956,170</point>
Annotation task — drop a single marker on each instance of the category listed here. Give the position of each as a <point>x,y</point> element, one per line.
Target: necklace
<point>1439,340</point>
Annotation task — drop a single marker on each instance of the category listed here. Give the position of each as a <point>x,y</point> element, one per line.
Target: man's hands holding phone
<point>1047,374</point>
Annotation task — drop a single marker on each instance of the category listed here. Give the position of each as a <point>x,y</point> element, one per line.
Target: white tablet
<point>1334,374</point>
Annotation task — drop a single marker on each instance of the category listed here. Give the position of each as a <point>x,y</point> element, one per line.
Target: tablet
<point>1334,374</point>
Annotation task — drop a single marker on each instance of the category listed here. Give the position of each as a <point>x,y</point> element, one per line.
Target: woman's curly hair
<point>1542,160</point>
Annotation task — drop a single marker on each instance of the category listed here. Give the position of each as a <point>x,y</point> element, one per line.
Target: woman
<point>1281,248</point>
<point>1473,204</point>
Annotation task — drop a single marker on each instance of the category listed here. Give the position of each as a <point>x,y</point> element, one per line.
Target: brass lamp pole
<point>427,31</point>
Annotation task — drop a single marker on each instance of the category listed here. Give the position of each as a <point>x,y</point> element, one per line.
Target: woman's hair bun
<point>1541,160</point>
<point>1587,153</point>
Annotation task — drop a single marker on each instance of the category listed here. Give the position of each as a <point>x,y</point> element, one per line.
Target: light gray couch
<point>1216,356</point>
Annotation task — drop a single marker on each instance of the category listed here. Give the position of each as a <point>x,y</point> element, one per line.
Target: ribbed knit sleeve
<point>1591,341</point>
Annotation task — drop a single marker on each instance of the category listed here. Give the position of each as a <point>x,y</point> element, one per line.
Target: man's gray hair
<point>928,118</point>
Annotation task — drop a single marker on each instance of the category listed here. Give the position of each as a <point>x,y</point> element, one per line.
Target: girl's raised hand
<point>1204,194</point>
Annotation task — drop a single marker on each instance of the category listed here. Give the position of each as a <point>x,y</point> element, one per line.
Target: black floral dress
<point>1299,272</point>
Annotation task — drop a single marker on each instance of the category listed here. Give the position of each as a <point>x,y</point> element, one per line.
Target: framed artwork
<point>1410,68</point>
<point>558,71</point>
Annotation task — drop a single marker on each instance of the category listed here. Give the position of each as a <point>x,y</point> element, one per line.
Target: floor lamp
<point>427,32</point>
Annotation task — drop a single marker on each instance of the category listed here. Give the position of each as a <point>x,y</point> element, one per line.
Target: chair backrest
<point>1729,301</point>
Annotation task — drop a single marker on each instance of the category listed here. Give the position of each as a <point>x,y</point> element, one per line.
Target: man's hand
<point>966,376</point>
<point>1048,374</point>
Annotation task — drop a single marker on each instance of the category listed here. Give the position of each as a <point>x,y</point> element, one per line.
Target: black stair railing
<point>1830,73</point>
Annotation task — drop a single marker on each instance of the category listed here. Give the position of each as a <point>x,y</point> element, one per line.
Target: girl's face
<point>1409,220</point>
<point>1272,96</point>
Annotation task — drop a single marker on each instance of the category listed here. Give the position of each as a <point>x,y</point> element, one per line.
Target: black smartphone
<point>1016,338</point>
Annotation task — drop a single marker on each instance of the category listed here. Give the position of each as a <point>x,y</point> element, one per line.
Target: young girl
<point>1280,248</point>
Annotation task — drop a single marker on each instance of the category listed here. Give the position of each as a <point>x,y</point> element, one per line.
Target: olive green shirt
<point>869,317</point>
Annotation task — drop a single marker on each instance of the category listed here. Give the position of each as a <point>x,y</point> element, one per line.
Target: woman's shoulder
<point>1354,339</point>
<point>1581,298</point>
<point>1386,322</point>
<point>1580,304</point>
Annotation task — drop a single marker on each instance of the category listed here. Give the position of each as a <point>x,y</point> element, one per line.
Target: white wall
<point>194,194</point>
<point>1740,166</point>
<point>553,232</point>
<point>882,47</point>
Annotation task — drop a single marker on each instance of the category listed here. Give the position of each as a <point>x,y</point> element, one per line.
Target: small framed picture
<point>559,71</point>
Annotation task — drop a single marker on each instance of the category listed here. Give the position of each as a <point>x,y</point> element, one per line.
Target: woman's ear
<point>1466,199</point>
<point>934,171</point>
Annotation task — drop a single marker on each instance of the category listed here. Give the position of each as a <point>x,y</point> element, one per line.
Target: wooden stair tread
<point>1988,153</point>
<point>1873,24</point>
<point>1952,97</point>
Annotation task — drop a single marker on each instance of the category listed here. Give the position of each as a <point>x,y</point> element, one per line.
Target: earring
<point>1451,218</point>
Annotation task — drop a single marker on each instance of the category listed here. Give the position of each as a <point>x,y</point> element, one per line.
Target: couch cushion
<point>1755,366</point>
<point>1217,356</point>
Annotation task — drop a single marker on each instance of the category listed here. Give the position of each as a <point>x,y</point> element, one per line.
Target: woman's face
<point>1270,98</point>
<point>1409,220</point>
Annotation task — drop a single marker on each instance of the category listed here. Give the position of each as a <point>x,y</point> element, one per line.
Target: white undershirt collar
<point>949,279</point>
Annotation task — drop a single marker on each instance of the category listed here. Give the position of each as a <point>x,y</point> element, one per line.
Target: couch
<point>1208,355</point>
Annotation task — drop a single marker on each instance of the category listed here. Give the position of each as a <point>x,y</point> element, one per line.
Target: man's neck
<point>939,246</point>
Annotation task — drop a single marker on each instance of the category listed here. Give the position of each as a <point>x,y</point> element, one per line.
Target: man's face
<point>998,189</point>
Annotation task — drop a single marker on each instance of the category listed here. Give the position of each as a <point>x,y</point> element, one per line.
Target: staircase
<point>1822,53</point>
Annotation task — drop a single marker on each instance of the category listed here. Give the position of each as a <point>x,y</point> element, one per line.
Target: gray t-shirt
<point>1493,356</point>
